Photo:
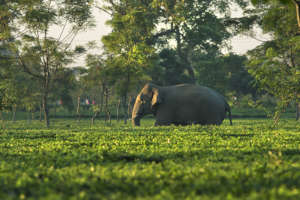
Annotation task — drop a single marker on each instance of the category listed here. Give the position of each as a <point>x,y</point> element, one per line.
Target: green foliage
<point>263,105</point>
<point>188,30</point>
<point>226,73</point>
<point>17,89</point>
<point>169,70</point>
<point>71,160</point>
<point>275,63</point>
<point>40,54</point>
<point>257,2</point>
<point>62,87</point>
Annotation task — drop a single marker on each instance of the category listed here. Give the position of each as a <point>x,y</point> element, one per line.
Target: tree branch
<point>62,31</point>
<point>104,10</point>
<point>152,39</point>
<point>26,69</point>
<point>75,32</point>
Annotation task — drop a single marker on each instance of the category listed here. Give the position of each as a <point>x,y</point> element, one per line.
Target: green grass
<point>73,160</point>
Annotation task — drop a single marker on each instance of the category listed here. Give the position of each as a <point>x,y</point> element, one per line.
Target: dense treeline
<point>166,42</point>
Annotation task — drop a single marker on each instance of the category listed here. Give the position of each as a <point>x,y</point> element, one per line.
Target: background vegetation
<point>166,42</point>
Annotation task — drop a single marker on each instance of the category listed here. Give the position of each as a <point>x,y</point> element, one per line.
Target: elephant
<point>182,104</point>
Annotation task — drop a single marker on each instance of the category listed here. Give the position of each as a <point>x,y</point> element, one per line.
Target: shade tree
<point>188,29</point>
<point>40,53</point>
<point>275,63</point>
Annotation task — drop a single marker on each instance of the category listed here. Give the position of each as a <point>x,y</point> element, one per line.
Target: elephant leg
<point>164,116</point>
<point>214,121</point>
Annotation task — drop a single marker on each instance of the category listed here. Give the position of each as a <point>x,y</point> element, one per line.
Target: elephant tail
<point>227,109</point>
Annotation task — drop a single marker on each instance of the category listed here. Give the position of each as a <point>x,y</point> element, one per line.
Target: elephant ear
<point>156,98</point>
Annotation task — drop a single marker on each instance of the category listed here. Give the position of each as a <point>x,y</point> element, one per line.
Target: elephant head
<point>146,102</point>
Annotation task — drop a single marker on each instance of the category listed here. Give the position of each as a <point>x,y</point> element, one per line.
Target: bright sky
<point>240,44</point>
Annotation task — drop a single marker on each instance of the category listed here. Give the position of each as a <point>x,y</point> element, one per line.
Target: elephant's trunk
<point>137,113</point>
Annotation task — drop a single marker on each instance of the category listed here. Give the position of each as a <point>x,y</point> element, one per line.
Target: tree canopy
<point>28,31</point>
<point>275,63</point>
<point>188,29</point>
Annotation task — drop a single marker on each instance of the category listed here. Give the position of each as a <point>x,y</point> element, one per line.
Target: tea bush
<point>72,160</point>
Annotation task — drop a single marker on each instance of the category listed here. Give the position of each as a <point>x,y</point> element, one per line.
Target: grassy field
<point>72,160</point>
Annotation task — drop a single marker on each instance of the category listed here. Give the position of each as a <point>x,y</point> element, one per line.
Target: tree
<point>40,54</point>
<point>275,63</point>
<point>188,29</point>
<point>126,48</point>
<point>5,99</point>
<point>62,88</point>
<point>18,89</point>
<point>9,11</point>
<point>99,80</point>
<point>168,70</point>
<point>80,87</point>
<point>125,77</point>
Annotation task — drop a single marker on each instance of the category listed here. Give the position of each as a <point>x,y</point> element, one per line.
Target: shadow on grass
<point>236,135</point>
<point>117,157</point>
<point>36,136</point>
<point>291,152</point>
<point>76,157</point>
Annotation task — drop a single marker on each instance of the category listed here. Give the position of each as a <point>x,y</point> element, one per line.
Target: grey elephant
<point>180,105</point>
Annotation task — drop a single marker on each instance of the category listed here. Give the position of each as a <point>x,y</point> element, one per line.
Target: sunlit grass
<point>250,160</point>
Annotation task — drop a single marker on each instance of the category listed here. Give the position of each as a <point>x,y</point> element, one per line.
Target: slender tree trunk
<point>118,109</point>
<point>108,112</point>
<point>102,109</point>
<point>94,117</point>
<point>14,111</point>
<point>55,110</point>
<point>297,110</point>
<point>297,99</point>
<point>106,106</point>
<point>46,110</point>
<point>183,55</point>
<point>129,105</point>
<point>78,108</point>
<point>45,100</point>
<point>109,117</point>
<point>41,111</point>
<point>125,96</point>
<point>2,120</point>
<point>100,106</point>
<point>28,117</point>
<point>125,108</point>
